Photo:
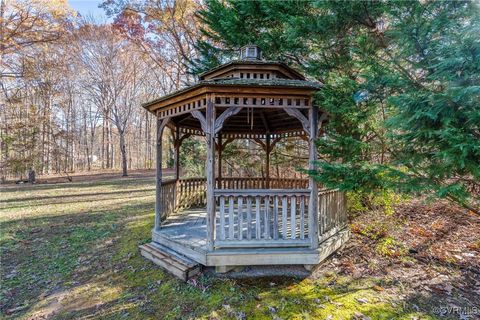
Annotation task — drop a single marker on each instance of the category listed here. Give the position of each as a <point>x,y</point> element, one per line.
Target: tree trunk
<point>103,143</point>
<point>108,129</point>
<point>123,151</point>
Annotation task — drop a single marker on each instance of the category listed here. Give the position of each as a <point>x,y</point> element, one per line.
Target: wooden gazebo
<point>232,222</point>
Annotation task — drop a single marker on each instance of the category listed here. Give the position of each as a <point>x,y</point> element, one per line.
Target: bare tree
<point>72,89</point>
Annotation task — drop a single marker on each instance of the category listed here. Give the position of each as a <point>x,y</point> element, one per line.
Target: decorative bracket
<point>261,143</point>
<point>274,142</point>
<point>160,126</point>
<point>264,145</point>
<point>224,116</point>
<point>299,115</point>
<point>224,144</point>
<point>178,140</point>
<point>322,118</point>
<point>203,122</point>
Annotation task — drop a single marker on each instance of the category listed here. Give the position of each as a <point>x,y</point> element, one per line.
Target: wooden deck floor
<point>187,227</point>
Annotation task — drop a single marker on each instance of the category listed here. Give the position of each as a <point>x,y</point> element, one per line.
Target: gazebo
<point>230,222</point>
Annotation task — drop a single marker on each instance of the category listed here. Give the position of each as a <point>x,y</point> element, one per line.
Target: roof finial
<point>250,52</point>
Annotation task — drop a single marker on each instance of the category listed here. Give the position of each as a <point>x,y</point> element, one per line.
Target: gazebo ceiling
<point>249,121</point>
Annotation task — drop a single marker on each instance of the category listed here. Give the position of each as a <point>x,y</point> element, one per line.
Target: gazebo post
<point>161,123</point>
<point>267,165</point>
<point>210,171</point>
<point>220,149</point>
<point>177,142</point>
<point>313,203</point>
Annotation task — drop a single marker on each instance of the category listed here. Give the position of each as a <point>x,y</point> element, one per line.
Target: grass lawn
<point>70,250</point>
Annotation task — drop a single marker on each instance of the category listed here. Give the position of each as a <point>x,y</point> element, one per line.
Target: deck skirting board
<point>244,257</point>
<point>278,256</point>
<point>257,256</point>
<point>332,244</point>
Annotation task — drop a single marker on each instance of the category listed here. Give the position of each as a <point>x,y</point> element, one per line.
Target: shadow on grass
<point>118,182</point>
<point>40,255</point>
<point>37,201</point>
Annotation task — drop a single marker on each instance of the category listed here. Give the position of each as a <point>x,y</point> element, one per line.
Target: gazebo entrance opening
<point>220,220</point>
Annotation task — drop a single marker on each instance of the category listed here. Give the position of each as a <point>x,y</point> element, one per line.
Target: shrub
<point>389,247</point>
<point>384,200</point>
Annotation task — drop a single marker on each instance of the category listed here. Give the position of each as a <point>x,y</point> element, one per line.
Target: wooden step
<point>173,262</point>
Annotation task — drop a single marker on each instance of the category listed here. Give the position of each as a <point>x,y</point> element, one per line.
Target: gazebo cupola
<point>250,52</point>
<point>238,220</point>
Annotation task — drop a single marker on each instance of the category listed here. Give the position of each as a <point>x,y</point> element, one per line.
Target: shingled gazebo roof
<point>238,82</point>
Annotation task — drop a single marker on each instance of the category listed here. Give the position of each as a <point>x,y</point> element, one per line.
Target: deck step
<point>173,262</point>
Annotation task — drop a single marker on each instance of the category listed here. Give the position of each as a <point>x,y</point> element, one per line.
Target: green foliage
<point>418,131</point>
<point>436,121</point>
<point>384,200</point>
<point>389,247</point>
<point>374,230</point>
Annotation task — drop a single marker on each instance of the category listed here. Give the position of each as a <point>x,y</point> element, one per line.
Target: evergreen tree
<point>401,85</point>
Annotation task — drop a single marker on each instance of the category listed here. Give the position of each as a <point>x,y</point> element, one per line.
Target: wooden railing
<point>169,196</point>
<point>190,192</point>
<point>332,213</point>
<point>261,183</point>
<point>261,218</point>
<point>246,217</point>
<point>182,194</point>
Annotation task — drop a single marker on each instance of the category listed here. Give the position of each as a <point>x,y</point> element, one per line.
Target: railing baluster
<point>293,220</point>
<point>284,217</point>
<point>337,208</point>
<point>320,214</point>
<point>222,218</point>
<point>329,210</point>
<point>302,217</point>
<point>249,218</point>
<point>275,217</point>
<point>240,218</point>
<point>332,209</point>
<point>257,218</point>
<point>266,227</point>
<point>325,213</point>
<point>231,222</point>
